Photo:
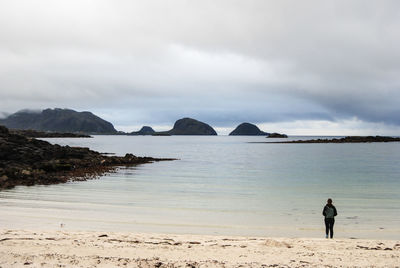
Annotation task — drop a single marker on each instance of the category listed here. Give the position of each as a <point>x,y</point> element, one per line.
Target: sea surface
<point>222,185</point>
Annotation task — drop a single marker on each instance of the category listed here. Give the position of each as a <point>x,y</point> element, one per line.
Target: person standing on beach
<point>329,212</point>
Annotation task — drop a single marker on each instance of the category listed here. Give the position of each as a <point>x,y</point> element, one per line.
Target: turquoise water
<point>222,185</point>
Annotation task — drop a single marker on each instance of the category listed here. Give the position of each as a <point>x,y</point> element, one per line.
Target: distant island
<point>184,126</point>
<point>58,120</point>
<point>348,139</point>
<point>247,129</point>
<point>189,126</point>
<point>28,161</point>
<point>145,130</point>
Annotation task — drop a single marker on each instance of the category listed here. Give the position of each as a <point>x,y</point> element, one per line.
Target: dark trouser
<point>329,222</point>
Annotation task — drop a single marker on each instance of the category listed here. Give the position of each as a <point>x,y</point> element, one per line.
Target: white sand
<point>105,249</point>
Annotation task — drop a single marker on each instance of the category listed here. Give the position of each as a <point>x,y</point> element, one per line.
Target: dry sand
<point>106,249</point>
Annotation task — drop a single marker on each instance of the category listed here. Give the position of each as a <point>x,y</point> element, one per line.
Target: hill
<point>59,120</point>
<point>145,130</point>
<point>189,126</point>
<point>247,129</point>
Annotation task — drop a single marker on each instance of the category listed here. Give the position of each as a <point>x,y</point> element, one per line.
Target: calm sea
<point>222,185</point>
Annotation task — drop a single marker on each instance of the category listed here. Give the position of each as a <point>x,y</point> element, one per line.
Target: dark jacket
<point>329,211</point>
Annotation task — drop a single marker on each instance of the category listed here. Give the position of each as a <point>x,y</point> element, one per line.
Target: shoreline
<point>29,161</point>
<point>348,139</point>
<point>24,248</point>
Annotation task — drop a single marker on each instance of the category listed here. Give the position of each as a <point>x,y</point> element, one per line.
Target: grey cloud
<point>221,61</point>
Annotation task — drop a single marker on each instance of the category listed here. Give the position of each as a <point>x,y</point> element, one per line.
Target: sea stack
<point>189,126</point>
<point>247,129</point>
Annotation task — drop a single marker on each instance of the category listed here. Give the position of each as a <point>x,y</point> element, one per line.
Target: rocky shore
<point>28,161</point>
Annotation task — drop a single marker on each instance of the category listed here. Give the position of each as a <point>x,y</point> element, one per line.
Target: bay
<point>222,185</point>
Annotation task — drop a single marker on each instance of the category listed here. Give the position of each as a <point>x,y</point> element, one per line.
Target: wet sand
<point>22,248</point>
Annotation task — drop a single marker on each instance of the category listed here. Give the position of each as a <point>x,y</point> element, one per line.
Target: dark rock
<point>59,120</point>
<point>3,130</point>
<point>277,135</point>
<point>247,129</point>
<point>189,126</point>
<point>28,161</point>
<point>145,130</point>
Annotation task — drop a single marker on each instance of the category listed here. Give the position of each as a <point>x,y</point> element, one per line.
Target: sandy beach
<point>22,248</point>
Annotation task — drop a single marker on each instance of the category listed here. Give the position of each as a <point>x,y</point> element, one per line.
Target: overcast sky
<point>298,67</point>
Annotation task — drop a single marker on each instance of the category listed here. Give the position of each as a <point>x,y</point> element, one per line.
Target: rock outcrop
<point>28,161</point>
<point>348,139</point>
<point>189,126</point>
<point>247,129</point>
<point>145,130</point>
<point>59,120</point>
<point>277,135</point>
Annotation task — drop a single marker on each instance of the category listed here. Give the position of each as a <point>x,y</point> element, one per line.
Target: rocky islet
<point>145,130</point>
<point>190,126</point>
<point>247,129</point>
<point>277,135</point>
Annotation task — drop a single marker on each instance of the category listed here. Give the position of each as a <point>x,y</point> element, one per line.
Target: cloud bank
<point>223,62</point>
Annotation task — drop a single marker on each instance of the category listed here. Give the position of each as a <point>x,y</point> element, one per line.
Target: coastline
<point>348,139</point>
<point>23,248</point>
<point>29,161</point>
